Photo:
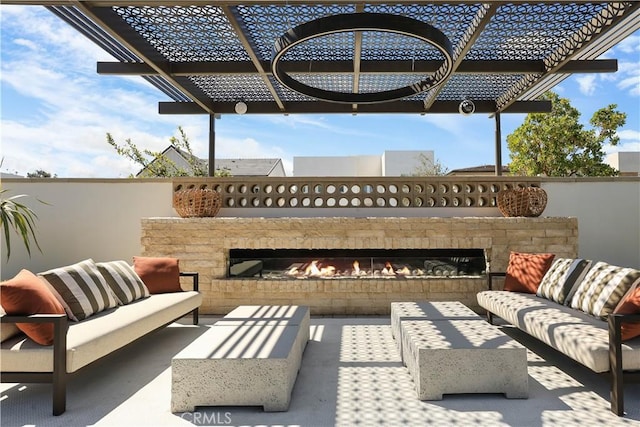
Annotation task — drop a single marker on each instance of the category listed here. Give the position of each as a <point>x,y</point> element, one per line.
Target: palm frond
<point>16,217</point>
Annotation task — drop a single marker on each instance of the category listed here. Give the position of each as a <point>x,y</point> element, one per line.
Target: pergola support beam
<point>498,145</point>
<point>399,107</point>
<point>374,67</point>
<point>212,144</point>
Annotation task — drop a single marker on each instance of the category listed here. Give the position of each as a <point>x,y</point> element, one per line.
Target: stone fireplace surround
<point>203,245</point>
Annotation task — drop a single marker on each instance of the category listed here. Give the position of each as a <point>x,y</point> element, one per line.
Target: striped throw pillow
<point>81,289</point>
<point>602,289</point>
<point>561,278</point>
<point>123,281</point>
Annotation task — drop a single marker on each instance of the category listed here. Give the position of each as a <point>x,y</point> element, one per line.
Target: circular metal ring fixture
<point>381,22</point>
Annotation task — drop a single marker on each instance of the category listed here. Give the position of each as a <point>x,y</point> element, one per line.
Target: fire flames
<point>316,268</point>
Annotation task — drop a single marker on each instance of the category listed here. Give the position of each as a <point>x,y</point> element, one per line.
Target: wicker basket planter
<point>197,202</point>
<point>528,202</point>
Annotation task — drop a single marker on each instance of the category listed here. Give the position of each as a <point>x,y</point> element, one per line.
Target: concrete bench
<point>249,358</point>
<point>463,356</point>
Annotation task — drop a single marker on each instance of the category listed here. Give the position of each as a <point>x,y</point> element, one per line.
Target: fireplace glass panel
<point>335,264</point>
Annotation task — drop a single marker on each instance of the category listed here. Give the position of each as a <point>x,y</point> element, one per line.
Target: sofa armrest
<point>490,277</point>
<point>59,371</point>
<point>615,359</point>
<point>195,277</point>
<point>60,327</point>
<point>196,287</point>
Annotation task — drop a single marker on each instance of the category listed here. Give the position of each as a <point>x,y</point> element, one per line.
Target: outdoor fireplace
<point>336,264</point>
<point>452,254</point>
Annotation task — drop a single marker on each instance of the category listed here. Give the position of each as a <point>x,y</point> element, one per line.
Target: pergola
<point>351,56</point>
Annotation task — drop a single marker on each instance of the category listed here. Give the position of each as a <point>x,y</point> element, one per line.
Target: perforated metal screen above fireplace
<point>336,264</point>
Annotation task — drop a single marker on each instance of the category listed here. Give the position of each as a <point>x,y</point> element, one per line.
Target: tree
<point>155,164</point>
<point>40,174</point>
<point>428,167</point>
<point>556,144</point>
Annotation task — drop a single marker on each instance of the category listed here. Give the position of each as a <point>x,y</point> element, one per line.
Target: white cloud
<point>629,45</point>
<point>26,43</point>
<point>587,84</point>
<point>319,122</point>
<point>629,134</point>
<point>622,147</point>
<point>294,121</point>
<point>629,141</point>
<point>632,84</point>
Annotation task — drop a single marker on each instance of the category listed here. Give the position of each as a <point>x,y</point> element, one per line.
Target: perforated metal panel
<point>233,87</point>
<point>230,47</point>
<point>478,86</point>
<point>526,31</point>
<point>264,24</point>
<point>453,20</point>
<point>190,34</point>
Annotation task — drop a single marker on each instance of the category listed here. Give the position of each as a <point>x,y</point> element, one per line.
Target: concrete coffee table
<point>426,310</point>
<point>251,357</point>
<point>463,356</point>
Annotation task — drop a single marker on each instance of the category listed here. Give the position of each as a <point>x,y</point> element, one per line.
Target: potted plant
<point>18,218</point>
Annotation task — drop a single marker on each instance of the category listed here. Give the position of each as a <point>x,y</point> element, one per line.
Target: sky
<point>56,111</point>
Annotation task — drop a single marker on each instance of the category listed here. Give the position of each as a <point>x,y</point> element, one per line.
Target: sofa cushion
<point>7,330</point>
<point>101,334</point>
<point>123,281</point>
<point>561,277</point>
<point>159,274</point>
<point>602,289</point>
<point>578,335</point>
<point>630,304</point>
<point>81,289</point>
<point>525,271</point>
<point>26,294</point>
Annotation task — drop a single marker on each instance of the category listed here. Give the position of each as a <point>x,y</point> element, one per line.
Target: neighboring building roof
<point>237,167</point>
<point>248,167</point>
<point>9,175</point>
<point>478,170</point>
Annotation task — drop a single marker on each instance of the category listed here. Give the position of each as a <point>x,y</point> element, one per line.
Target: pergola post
<point>212,144</point>
<point>498,146</point>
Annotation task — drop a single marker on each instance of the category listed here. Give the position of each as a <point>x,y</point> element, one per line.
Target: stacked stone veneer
<point>203,244</point>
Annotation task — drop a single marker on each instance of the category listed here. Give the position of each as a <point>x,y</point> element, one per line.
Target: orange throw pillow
<point>160,275</point>
<point>27,294</point>
<point>630,304</point>
<point>525,271</point>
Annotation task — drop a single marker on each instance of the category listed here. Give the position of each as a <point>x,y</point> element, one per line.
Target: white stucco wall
<point>627,162</point>
<point>97,219</point>
<point>337,166</point>
<point>608,212</point>
<point>100,219</point>
<point>390,163</point>
<point>399,163</point>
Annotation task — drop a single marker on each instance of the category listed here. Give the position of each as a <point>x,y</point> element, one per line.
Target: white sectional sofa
<point>76,344</point>
<point>595,342</point>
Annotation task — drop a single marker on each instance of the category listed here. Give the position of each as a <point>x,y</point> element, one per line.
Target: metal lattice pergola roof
<point>209,55</point>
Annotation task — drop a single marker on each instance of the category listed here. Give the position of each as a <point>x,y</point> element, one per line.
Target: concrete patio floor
<point>351,375</point>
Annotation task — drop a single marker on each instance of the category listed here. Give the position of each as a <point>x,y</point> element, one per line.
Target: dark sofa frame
<point>618,377</point>
<point>59,376</point>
